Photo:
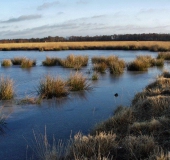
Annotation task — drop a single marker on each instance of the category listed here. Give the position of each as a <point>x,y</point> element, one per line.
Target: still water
<point>78,112</point>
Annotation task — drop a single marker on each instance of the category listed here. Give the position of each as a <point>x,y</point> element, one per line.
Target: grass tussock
<point>77,82</point>
<point>113,63</point>
<point>6,88</point>
<point>49,61</point>
<point>6,63</point>
<point>99,146</point>
<point>95,76</point>
<point>142,63</point>
<point>164,55</point>
<point>17,60</point>
<point>50,87</point>
<point>27,63</point>
<point>74,61</point>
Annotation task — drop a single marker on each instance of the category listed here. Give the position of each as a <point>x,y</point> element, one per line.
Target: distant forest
<point>115,37</point>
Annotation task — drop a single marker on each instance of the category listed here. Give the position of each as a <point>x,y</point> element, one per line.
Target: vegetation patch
<point>6,88</point>
<point>27,63</point>
<point>164,55</point>
<point>77,82</point>
<point>6,63</point>
<point>17,60</point>
<point>50,87</point>
<point>49,61</point>
<point>73,61</point>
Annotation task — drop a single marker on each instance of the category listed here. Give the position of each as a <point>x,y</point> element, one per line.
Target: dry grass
<point>17,60</point>
<point>100,146</point>
<point>50,61</point>
<point>142,63</point>
<point>6,63</point>
<point>27,63</point>
<point>50,87</point>
<point>77,82</point>
<point>128,45</point>
<point>6,88</point>
<point>28,100</point>
<point>74,61</point>
<point>95,76</point>
<point>164,55</point>
<point>100,67</point>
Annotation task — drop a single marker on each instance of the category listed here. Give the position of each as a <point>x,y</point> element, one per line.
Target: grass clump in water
<point>6,88</point>
<point>100,67</point>
<point>73,61</point>
<point>77,82</point>
<point>17,60</point>
<point>27,63</point>
<point>95,76</point>
<point>51,61</point>
<point>6,63</point>
<point>50,87</point>
<point>164,55</point>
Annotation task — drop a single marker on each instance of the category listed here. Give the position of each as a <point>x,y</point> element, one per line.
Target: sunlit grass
<point>50,87</point>
<point>6,63</point>
<point>27,63</point>
<point>114,45</point>
<point>78,82</point>
<point>6,88</point>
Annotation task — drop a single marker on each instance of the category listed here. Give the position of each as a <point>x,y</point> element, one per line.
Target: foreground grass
<point>109,45</point>
<point>140,131</point>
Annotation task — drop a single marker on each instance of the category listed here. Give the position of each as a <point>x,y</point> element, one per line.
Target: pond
<point>80,111</point>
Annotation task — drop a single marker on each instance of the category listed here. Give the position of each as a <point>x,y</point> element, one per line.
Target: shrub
<point>78,82</point>
<point>50,87</point>
<point>6,63</point>
<point>6,88</point>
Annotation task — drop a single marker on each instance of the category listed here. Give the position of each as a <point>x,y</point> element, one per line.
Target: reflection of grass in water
<point>28,100</point>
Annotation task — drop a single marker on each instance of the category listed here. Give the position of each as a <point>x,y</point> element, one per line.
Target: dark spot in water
<point>116,95</point>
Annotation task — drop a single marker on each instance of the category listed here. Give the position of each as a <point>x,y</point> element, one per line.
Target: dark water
<point>78,112</point>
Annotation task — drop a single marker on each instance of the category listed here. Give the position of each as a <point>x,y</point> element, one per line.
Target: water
<point>78,112</point>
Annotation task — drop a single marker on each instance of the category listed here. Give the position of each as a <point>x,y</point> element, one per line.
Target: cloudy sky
<point>42,18</point>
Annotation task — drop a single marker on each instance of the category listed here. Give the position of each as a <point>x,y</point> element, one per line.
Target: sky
<point>43,18</point>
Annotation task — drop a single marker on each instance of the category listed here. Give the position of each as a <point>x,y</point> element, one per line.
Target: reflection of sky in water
<point>77,112</point>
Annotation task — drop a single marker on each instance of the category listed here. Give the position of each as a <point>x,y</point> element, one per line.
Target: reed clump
<point>164,55</point>
<point>113,63</point>
<point>95,76</point>
<point>78,82</point>
<point>17,60</point>
<point>50,87</point>
<point>6,63</point>
<point>74,61</point>
<point>51,61</point>
<point>6,88</point>
<point>142,63</point>
<point>27,63</point>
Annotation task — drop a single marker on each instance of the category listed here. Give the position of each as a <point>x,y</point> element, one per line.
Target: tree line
<point>115,37</point>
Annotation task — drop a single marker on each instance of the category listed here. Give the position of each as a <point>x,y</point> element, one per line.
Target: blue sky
<point>42,18</point>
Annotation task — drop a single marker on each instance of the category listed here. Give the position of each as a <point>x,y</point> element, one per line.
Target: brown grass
<point>6,63</point>
<point>128,45</point>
